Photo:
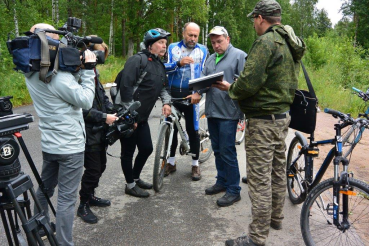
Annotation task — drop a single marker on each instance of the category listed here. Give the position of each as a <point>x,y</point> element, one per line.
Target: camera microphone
<point>95,40</point>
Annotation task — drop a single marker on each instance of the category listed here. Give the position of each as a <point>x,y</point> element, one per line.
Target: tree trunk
<point>16,27</point>
<point>124,38</point>
<point>111,34</point>
<point>55,11</point>
<point>130,47</point>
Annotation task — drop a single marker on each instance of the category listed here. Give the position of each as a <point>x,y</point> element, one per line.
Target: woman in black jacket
<point>99,116</point>
<point>143,79</point>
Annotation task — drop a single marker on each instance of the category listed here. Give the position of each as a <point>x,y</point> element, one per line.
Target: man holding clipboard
<point>223,114</point>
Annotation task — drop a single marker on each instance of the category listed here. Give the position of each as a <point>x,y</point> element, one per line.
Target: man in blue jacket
<point>186,60</point>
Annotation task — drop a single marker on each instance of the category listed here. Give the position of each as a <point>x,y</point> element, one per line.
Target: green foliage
<point>110,69</point>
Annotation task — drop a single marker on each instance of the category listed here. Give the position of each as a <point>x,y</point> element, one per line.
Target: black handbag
<point>304,108</point>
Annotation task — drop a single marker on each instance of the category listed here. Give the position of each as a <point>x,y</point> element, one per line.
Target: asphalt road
<point>181,214</point>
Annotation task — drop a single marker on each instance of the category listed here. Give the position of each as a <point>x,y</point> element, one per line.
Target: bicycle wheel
<point>160,160</point>
<point>240,134</point>
<point>295,184</point>
<point>205,143</point>
<point>317,215</point>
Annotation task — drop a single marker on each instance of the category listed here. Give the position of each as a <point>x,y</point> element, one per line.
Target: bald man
<point>185,61</point>
<point>58,105</point>
<point>45,26</point>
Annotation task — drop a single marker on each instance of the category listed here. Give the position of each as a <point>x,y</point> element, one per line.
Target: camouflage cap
<point>266,8</point>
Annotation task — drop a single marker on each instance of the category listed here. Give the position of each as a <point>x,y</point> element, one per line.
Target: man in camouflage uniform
<point>265,90</point>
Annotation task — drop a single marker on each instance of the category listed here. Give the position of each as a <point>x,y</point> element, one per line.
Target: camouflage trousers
<point>266,173</point>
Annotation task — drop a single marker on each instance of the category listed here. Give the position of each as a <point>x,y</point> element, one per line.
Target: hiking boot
<point>228,199</point>
<point>42,233</point>
<point>196,175</point>
<point>170,169</point>
<point>244,241</point>
<point>98,202</point>
<point>86,214</point>
<point>137,192</point>
<point>143,185</point>
<point>276,226</point>
<point>215,189</point>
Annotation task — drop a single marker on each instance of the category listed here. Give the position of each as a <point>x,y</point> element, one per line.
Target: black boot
<point>99,202</point>
<point>86,214</point>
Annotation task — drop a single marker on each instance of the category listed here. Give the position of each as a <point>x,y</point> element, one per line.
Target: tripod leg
<point>12,227</point>
<point>6,227</point>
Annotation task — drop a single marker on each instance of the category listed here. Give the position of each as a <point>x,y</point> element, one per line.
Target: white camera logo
<point>7,151</point>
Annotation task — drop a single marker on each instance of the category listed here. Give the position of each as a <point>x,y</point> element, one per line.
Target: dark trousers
<point>142,139</point>
<point>193,135</point>
<point>95,165</point>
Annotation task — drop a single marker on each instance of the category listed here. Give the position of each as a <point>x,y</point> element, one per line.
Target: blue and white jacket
<point>178,77</point>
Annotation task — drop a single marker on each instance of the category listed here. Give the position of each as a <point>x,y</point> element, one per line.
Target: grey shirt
<point>218,103</point>
<point>59,106</point>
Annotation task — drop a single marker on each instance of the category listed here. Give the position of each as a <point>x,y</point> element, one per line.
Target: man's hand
<point>222,85</point>
<point>195,98</point>
<point>89,56</point>
<point>166,110</point>
<point>135,126</point>
<point>186,60</point>
<point>111,118</point>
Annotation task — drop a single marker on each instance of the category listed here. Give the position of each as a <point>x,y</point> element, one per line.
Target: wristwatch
<point>104,117</point>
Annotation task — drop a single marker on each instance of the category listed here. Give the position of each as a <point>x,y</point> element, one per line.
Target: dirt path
<point>359,163</point>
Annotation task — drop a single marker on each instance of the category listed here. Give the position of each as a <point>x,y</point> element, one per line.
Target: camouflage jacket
<point>270,76</point>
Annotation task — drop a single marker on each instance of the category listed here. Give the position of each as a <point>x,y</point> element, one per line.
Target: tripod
<point>13,184</point>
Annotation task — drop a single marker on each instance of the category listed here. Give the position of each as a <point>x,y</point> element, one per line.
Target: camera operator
<point>100,116</point>
<point>58,105</point>
<point>143,83</point>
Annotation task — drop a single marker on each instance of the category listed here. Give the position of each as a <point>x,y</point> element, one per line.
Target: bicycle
<point>240,134</point>
<point>164,143</point>
<point>336,211</point>
<point>354,133</point>
<point>300,162</point>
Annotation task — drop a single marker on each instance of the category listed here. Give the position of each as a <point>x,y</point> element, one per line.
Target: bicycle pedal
<point>330,209</point>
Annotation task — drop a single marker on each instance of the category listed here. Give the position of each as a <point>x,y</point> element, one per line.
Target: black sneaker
<point>86,214</point>
<point>137,192</point>
<point>143,185</point>
<point>276,226</point>
<point>98,202</point>
<point>244,180</point>
<point>228,199</point>
<point>244,241</point>
<point>215,189</point>
<point>42,233</point>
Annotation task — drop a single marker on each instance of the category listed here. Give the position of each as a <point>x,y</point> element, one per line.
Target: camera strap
<point>45,59</point>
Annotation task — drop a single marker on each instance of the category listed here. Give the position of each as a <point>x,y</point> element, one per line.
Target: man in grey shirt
<point>223,114</point>
<point>59,106</point>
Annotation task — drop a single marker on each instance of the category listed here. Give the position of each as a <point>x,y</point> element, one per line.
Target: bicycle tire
<point>296,195</point>
<point>240,134</point>
<point>317,225</point>
<point>160,161</point>
<point>205,142</point>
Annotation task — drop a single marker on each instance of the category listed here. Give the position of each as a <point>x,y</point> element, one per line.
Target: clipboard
<point>204,82</point>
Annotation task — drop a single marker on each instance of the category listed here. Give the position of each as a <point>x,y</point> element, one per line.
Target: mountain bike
<point>240,134</point>
<point>355,132</point>
<point>300,162</point>
<point>336,211</point>
<point>164,143</point>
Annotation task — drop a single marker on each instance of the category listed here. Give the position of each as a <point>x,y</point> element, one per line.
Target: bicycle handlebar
<point>362,95</point>
<point>342,116</point>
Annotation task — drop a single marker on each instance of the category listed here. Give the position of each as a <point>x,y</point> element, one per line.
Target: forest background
<point>337,57</point>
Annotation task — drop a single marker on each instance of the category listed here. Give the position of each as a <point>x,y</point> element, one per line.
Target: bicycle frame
<point>172,120</point>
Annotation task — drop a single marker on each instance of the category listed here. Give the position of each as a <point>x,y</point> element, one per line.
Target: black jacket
<point>153,85</point>
<point>96,117</point>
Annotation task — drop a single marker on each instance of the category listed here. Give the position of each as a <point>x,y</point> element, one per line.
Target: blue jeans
<point>223,138</point>
<point>65,171</point>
